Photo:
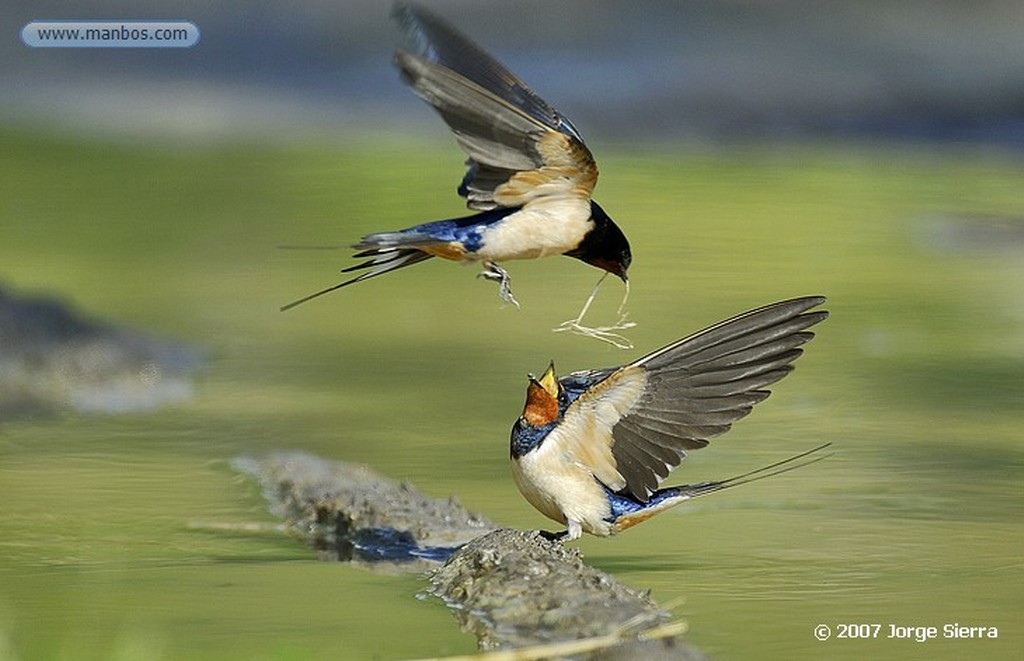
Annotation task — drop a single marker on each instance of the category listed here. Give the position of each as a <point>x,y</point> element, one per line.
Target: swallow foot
<point>573,531</point>
<point>554,536</point>
<point>495,273</point>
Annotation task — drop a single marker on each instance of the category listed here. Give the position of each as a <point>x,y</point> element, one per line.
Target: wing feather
<point>697,387</point>
<point>640,469</point>
<point>519,147</point>
<point>632,425</point>
<point>584,435</point>
<point>434,39</point>
<point>723,339</point>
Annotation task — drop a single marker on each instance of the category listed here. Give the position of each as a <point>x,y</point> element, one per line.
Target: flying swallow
<point>592,448</point>
<point>530,176</point>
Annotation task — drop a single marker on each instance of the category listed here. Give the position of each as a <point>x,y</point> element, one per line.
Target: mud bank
<point>517,589</point>
<point>53,358</point>
<point>509,588</point>
<point>348,512</point>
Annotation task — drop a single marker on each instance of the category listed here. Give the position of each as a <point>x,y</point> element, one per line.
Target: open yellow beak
<point>542,398</point>
<point>549,381</point>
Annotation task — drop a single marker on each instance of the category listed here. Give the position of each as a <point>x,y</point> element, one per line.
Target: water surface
<point>130,537</point>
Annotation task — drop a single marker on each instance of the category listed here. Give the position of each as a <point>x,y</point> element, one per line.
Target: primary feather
<point>693,390</point>
<point>519,147</point>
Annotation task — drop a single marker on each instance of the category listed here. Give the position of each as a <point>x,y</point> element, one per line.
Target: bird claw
<point>573,531</point>
<point>554,536</point>
<point>495,273</point>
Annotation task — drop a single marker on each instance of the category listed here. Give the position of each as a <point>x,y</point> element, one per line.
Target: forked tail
<point>628,512</point>
<point>383,260</point>
<point>771,470</point>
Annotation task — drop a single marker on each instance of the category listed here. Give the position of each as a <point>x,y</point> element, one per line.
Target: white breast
<point>542,228</point>
<point>561,489</point>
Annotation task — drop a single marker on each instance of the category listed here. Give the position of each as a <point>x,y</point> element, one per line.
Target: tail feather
<point>628,512</point>
<point>771,470</point>
<point>374,244</point>
<point>383,260</point>
<point>386,251</point>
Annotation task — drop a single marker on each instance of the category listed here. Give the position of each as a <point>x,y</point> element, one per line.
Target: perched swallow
<point>591,449</point>
<point>530,176</point>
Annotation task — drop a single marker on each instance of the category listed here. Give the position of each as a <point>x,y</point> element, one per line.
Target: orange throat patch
<point>541,408</point>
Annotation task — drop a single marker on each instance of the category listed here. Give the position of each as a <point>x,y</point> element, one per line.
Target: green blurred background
<point>116,536</point>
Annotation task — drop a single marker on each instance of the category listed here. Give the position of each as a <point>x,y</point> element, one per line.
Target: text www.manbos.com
<point>110,34</point>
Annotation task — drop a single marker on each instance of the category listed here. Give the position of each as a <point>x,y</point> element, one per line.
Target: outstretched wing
<point>519,147</point>
<point>635,426</point>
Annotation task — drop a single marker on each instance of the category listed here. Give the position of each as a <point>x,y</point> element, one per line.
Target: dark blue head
<point>605,246</point>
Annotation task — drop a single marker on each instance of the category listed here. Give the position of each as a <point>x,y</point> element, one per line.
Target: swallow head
<point>605,245</point>
<point>542,399</point>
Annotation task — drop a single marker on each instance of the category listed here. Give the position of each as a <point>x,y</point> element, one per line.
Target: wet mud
<point>511,589</point>
<point>55,358</point>
<point>348,512</point>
